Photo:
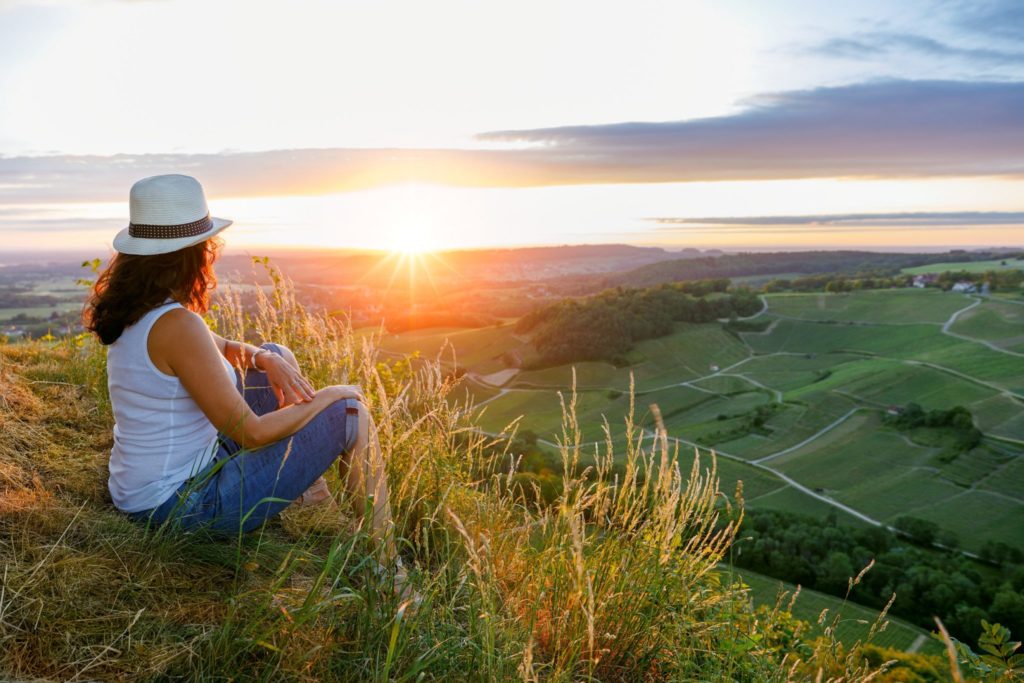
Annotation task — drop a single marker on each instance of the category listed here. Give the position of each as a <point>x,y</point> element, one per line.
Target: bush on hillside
<point>957,423</point>
<point>607,326</point>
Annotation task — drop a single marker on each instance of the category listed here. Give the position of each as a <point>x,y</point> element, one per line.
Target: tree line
<point>997,280</point>
<point>824,556</point>
<point>885,264</point>
<point>606,326</point>
<point>831,282</point>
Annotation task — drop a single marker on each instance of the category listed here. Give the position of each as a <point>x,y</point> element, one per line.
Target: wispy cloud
<point>886,44</point>
<point>900,219</point>
<point>891,129</point>
<point>990,18</point>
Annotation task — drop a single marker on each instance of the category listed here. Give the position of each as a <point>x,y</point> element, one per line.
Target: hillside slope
<point>592,587</point>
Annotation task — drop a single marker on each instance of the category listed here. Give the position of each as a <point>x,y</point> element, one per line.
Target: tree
<point>919,530</point>
<point>835,572</point>
<point>949,539</point>
<point>1008,608</point>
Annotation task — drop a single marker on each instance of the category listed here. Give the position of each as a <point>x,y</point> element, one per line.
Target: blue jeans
<point>241,489</point>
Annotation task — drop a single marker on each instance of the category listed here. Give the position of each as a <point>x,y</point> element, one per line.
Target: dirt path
<point>775,392</point>
<point>956,314</point>
<point>764,307</point>
<point>824,430</point>
<point>499,378</point>
<point>947,329</point>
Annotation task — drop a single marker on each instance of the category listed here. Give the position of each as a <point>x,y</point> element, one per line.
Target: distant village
<point>23,326</point>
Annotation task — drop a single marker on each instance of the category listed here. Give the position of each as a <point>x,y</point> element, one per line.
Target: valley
<point>803,413</point>
<point>799,408</point>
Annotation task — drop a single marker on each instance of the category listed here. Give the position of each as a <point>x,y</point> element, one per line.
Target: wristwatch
<point>252,358</point>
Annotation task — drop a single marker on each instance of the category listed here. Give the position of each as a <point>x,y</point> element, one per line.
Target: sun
<point>412,248</point>
<point>411,239</point>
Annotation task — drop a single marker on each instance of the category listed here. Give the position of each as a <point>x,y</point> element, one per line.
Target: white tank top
<point>161,437</point>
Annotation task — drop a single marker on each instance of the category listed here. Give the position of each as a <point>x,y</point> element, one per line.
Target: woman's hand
<point>338,392</point>
<point>287,382</point>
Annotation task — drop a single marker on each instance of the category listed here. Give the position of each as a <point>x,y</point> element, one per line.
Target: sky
<point>733,124</point>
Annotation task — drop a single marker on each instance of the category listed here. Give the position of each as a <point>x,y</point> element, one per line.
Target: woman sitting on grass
<point>211,433</point>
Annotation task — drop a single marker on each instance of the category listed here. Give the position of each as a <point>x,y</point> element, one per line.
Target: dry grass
<point>616,581</point>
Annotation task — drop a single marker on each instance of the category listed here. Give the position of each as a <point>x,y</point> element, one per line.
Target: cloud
<point>895,44</point>
<point>992,18</point>
<point>885,128</point>
<point>290,172</point>
<point>982,35</point>
<point>891,129</point>
<point>928,219</point>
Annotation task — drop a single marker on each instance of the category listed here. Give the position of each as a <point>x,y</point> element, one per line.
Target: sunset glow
<point>411,239</point>
<point>430,140</point>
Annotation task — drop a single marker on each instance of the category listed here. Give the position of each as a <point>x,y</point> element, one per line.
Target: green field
<point>875,306</point>
<point>692,351</point>
<point>476,349</point>
<point>62,286</point>
<point>1007,479</point>
<point>65,288</point>
<point>919,343</point>
<point>996,321</point>
<point>788,427</point>
<point>821,378</point>
<point>40,311</point>
<point>854,620</point>
<point>969,266</point>
<point>881,472</point>
<point>758,280</point>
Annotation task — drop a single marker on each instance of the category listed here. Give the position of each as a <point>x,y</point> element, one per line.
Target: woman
<point>210,432</point>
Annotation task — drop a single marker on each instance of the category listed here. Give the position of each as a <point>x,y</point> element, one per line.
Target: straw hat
<point>167,213</point>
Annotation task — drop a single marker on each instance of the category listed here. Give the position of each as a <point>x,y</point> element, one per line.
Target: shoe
<point>409,597</point>
<point>317,494</point>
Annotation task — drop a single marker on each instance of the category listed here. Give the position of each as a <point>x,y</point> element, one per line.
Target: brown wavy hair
<point>132,285</point>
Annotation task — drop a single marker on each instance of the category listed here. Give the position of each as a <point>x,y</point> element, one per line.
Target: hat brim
<point>148,246</point>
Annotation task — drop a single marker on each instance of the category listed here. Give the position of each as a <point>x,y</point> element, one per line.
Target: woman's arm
<point>238,353</point>
<point>287,381</point>
<point>181,341</point>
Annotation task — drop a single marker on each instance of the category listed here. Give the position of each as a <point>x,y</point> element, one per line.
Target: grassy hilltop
<point>620,579</point>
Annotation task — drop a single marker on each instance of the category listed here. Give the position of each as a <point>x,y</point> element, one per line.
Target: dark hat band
<point>171,232</point>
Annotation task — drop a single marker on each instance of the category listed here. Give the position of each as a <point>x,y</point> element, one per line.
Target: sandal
<point>317,494</point>
<point>408,596</point>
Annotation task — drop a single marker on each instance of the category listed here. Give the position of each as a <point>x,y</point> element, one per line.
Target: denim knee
<point>343,418</point>
<point>274,347</point>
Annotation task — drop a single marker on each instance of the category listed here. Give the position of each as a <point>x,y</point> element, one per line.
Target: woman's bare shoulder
<point>179,336</point>
<point>178,325</point>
